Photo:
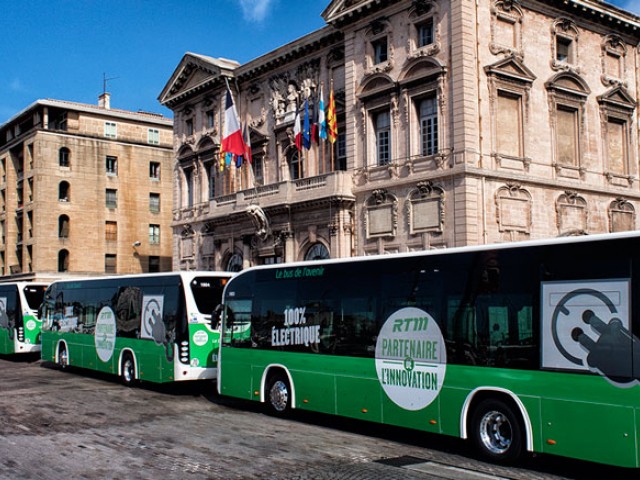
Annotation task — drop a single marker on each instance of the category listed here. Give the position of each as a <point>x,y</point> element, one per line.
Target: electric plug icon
<point>615,350</point>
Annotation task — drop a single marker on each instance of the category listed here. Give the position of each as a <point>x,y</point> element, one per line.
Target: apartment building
<point>84,189</point>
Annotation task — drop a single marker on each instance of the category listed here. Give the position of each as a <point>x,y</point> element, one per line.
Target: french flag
<point>232,141</point>
<point>297,131</point>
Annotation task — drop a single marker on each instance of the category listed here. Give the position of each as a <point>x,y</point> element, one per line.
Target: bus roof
<point>183,273</point>
<point>465,249</point>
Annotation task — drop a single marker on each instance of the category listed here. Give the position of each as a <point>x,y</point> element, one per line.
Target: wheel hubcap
<point>279,396</point>
<point>128,371</point>
<point>64,358</point>
<point>495,432</point>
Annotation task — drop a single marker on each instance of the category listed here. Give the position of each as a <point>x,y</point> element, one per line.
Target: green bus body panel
<point>7,346</point>
<point>151,362</point>
<point>206,352</point>
<point>588,429</point>
<point>32,335</point>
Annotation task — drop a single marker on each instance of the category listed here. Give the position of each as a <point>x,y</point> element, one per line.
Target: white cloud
<point>255,10</point>
<point>16,85</point>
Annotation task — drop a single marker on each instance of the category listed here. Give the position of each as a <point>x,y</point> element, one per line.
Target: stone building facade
<point>459,123</point>
<point>84,189</point>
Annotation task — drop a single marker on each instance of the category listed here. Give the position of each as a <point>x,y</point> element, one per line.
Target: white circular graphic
<point>200,338</point>
<point>31,325</point>
<point>105,335</point>
<point>411,359</point>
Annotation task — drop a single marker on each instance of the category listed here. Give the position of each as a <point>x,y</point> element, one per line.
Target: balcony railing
<point>335,184</point>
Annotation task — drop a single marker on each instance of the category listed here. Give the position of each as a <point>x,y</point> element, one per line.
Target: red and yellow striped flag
<point>332,122</point>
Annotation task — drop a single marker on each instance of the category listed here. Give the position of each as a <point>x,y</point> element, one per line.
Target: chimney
<point>104,100</point>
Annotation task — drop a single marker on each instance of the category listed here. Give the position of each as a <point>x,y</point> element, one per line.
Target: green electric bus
<point>19,322</point>
<point>152,327</point>
<point>517,347</point>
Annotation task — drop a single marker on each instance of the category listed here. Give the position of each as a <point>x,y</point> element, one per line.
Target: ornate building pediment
<point>194,73</point>
<point>511,68</point>
<point>618,97</point>
<point>346,11</point>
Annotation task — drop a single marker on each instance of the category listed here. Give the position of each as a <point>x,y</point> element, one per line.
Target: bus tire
<point>63,356</point>
<point>278,395</point>
<point>128,370</point>
<point>496,431</point>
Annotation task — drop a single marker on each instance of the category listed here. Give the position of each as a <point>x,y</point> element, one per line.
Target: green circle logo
<point>105,334</point>
<point>411,359</point>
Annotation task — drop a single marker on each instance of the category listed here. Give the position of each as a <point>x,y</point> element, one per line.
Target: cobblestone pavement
<point>81,425</point>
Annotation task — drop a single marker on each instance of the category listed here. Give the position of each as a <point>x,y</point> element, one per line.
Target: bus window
<point>127,308</point>
<point>238,325</point>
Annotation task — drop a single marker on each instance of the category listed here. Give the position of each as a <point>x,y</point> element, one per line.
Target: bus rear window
<point>34,295</point>
<point>207,292</point>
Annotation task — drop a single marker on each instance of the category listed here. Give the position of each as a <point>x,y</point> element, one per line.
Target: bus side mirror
<point>216,317</point>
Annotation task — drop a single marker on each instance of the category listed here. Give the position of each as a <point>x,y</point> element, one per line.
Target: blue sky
<point>60,49</point>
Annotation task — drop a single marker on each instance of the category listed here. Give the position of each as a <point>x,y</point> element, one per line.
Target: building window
<point>617,109</point>
<point>258,170</point>
<point>613,54</point>
<point>63,191</point>
<point>59,122</point>
<point>110,261</point>
<point>154,170</point>
<point>189,127</point>
<point>509,124</point>
<point>564,49</point>
<point>383,137</point>
<point>622,216</point>
<point>111,231</point>
<point>188,182</point>
<point>154,234</point>
<point>63,261</point>
<point>380,50</point>
<point>63,226</point>
<point>317,251</point>
<point>153,136</point>
<point>271,260</point>
<point>110,130</point>
<point>112,165</point>
<point>154,202</point>
<point>295,165</point>
<point>63,157</point>
<point>210,118</point>
<point>112,198</point>
<point>341,151</point>
<point>567,136</point>
<point>564,44</point>
<point>211,168</point>
<point>234,264</point>
<point>154,264</point>
<point>428,109</point>
<point>424,31</point>
<point>616,146</point>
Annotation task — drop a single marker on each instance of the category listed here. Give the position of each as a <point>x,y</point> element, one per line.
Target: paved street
<point>78,424</point>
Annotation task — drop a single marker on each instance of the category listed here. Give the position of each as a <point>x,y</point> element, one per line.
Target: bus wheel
<point>128,370</point>
<point>279,394</point>
<point>63,357</point>
<point>496,431</point>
